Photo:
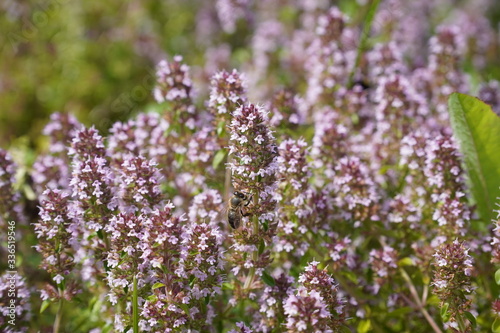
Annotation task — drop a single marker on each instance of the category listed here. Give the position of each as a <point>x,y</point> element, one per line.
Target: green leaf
<point>218,158</point>
<point>471,318</point>
<point>407,261</point>
<point>262,247</point>
<point>477,129</point>
<point>445,316</point>
<point>227,286</point>
<point>400,312</point>
<point>268,279</point>
<point>497,276</point>
<point>184,307</point>
<point>364,326</point>
<point>345,329</point>
<point>351,276</point>
<point>158,285</point>
<point>221,128</point>
<point>45,305</point>
<point>495,328</point>
<point>152,298</point>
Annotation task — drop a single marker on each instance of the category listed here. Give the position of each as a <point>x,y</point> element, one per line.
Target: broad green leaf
<point>364,326</point>
<point>268,279</point>
<point>407,261</point>
<point>227,286</point>
<point>471,318</point>
<point>221,128</point>
<point>345,329</point>
<point>158,285</point>
<point>495,328</point>
<point>477,129</point>
<point>497,277</point>
<point>218,158</point>
<point>45,305</point>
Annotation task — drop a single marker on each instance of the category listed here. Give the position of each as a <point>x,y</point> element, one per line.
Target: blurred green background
<point>96,59</point>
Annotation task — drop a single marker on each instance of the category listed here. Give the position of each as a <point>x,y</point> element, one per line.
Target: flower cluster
<point>254,163</point>
<point>10,204</point>
<point>271,303</point>
<point>15,310</point>
<point>227,92</point>
<point>92,180</point>
<point>287,109</point>
<point>54,235</point>
<point>175,86</point>
<point>139,185</point>
<point>142,136</point>
<point>330,56</point>
<point>194,261</point>
<point>317,306</point>
<point>383,262</point>
<point>206,207</point>
<point>295,216</point>
<point>253,149</point>
<point>452,281</point>
<point>52,170</point>
<point>490,94</point>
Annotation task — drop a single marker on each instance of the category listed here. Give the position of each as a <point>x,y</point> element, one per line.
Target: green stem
<point>227,180</point>
<point>57,321</point>
<point>135,305</point>
<point>416,298</point>
<point>364,37</point>
<point>255,254</point>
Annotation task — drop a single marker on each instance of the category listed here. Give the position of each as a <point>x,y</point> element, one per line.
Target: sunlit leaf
<point>477,129</point>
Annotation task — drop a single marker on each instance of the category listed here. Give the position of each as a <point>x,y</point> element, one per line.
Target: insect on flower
<point>235,209</point>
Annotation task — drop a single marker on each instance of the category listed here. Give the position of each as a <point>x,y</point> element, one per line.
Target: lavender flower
<point>490,94</point>
<point>271,303</point>
<point>317,305</point>
<point>50,172</point>
<point>230,11</point>
<point>253,148</point>
<point>227,92</point>
<point>442,76</point>
<point>242,328</point>
<point>295,216</point>
<point>355,194</point>
<point>206,207</point>
<point>54,234</point>
<point>139,185</point>
<point>10,199</point>
<point>61,129</point>
<point>196,261</point>
<point>174,86</point>
<point>92,180</point>
<point>142,136</point>
<point>287,110</point>
<point>383,262</point>
<point>331,57</point>
<point>19,314</point>
<point>453,269</point>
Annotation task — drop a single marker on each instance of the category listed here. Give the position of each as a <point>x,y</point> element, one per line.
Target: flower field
<point>286,166</point>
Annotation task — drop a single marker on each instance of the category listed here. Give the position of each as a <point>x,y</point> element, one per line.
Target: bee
<point>235,209</point>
